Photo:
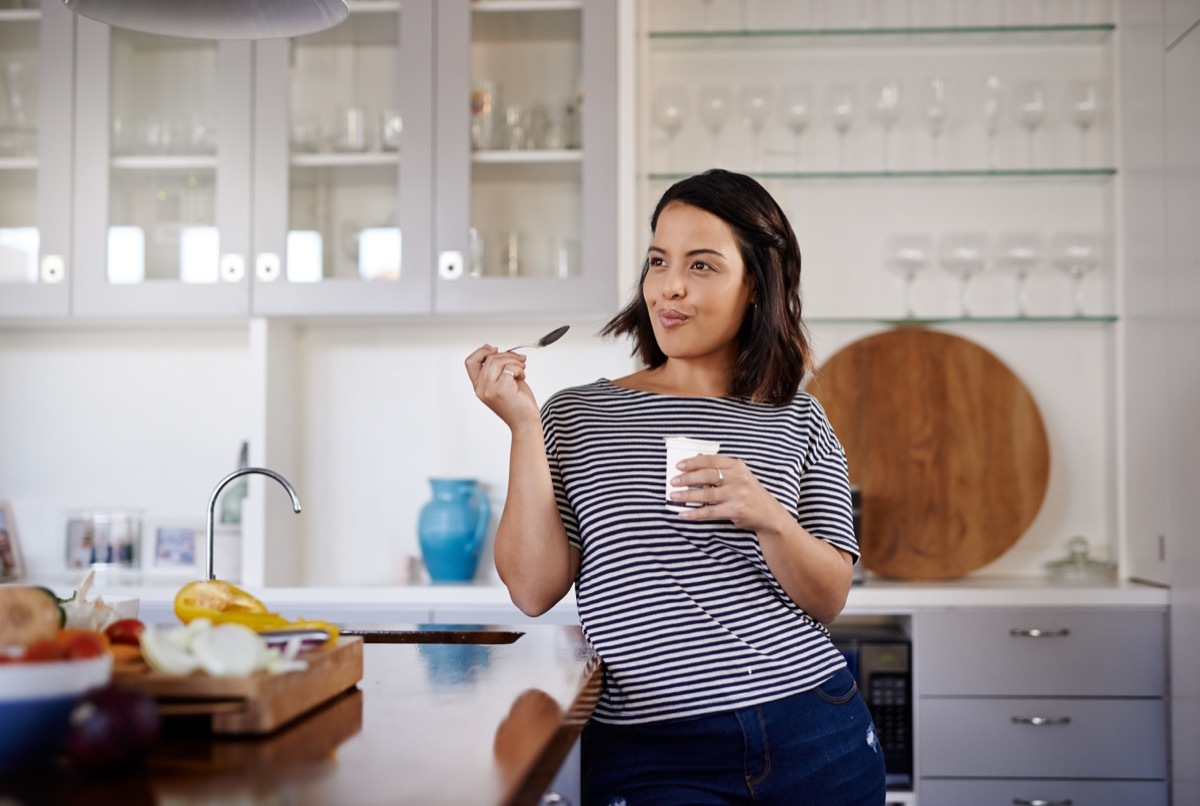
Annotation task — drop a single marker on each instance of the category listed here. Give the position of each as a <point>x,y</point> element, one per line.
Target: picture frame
<point>103,538</point>
<point>11,565</point>
<point>174,545</point>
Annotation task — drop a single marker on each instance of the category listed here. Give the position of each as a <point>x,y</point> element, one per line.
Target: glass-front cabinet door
<point>163,198</point>
<point>526,134</point>
<point>343,174</point>
<point>36,46</point>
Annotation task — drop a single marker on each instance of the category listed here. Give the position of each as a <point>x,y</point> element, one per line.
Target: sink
<point>434,634</point>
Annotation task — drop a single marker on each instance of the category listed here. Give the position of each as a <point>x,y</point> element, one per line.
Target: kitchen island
<point>443,716</point>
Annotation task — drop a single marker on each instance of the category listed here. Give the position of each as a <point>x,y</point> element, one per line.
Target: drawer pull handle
<point>1041,802</point>
<point>1036,633</point>
<point>1041,720</point>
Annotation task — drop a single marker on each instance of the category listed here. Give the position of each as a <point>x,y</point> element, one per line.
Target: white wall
<point>116,418</point>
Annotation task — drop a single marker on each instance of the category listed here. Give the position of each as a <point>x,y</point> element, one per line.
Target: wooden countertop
<point>431,723</point>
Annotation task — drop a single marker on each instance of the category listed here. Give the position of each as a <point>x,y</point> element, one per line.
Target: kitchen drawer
<point>1043,652</point>
<point>942,792</point>
<point>1084,738</point>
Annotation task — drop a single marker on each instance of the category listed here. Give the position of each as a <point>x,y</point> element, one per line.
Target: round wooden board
<point>946,444</point>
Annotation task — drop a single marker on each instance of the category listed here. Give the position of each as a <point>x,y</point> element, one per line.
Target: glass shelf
<point>20,15</point>
<point>961,320</point>
<point>519,6</point>
<point>527,157</point>
<point>18,163</point>
<point>168,162</point>
<point>1002,35</point>
<point>1037,173</point>
<point>344,159</point>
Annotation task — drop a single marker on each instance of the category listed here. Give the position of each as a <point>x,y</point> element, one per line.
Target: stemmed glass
<point>993,102</point>
<point>935,115</point>
<point>1030,106</point>
<point>963,254</point>
<point>1083,105</point>
<point>755,105</point>
<point>907,254</point>
<point>1020,253</point>
<point>795,111</point>
<point>841,111</point>
<point>885,107</point>
<point>670,108</point>
<point>713,112</point>
<point>1076,253</point>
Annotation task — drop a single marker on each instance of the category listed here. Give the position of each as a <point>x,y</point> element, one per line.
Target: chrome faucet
<point>212,502</point>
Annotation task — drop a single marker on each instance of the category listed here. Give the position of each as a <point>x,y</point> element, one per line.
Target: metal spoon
<point>544,341</point>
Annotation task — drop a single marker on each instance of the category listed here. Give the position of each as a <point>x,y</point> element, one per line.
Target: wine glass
<point>885,108</point>
<point>1083,105</point>
<point>935,115</point>
<point>713,112</point>
<point>1030,106</point>
<point>908,253</point>
<point>669,110</point>
<point>963,254</point>
<point>1076,253</point>
<point>841,111</point>
<point>795,111</point>
<point>993,103</point>
<point>1020,253</point>
<point>755,106</point>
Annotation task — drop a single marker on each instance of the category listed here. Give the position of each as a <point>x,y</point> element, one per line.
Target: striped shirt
<point>686,615</point>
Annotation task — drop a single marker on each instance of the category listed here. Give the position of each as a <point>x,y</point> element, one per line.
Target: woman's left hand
<point>728,491</point>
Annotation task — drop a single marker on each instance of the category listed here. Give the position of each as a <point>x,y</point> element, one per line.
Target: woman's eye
<point>701,266</point>
<point>657,261</point>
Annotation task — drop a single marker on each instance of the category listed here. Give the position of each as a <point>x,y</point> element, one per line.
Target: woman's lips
<point>671,318</point>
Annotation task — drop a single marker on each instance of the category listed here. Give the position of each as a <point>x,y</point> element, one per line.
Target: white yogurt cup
<point>678,449</point>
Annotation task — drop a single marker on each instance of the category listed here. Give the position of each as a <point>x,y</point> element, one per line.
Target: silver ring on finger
<point>720,478</point>
<point>509,373</point>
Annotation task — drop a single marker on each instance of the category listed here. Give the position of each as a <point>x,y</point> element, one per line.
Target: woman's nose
<point>674,285</point>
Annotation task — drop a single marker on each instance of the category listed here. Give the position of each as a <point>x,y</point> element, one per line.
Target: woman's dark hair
<point>774,354</point>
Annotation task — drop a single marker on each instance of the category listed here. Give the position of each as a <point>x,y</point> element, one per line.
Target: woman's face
<point>695,285</point>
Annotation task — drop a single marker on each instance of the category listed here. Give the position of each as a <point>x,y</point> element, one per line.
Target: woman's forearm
<point>533,556</point>
<point>815,574</point>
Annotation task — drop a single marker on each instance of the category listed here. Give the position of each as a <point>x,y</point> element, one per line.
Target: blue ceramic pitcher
<point>451,529</point>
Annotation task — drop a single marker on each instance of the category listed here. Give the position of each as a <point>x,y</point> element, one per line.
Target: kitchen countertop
<point>477,723</point>
<point>442,602</point>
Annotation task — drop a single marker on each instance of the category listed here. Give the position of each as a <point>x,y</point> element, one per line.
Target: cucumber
<point>27,615</point>
<point>58,602</point>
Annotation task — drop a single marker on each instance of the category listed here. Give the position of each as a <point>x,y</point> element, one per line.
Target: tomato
<point>42,651</point>
<point>126,631</point>
<point>80,644</point>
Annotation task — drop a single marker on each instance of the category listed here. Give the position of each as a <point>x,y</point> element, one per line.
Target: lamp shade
<point>216,19</point>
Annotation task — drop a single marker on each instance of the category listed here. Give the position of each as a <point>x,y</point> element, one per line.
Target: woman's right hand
<point>499,381</point>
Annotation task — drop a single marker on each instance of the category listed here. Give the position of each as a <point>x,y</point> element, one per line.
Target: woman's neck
<point>681,379</point>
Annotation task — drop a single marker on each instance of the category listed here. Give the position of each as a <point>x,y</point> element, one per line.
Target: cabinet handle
<point>1036,633</point>
<point>1041,802</point>
<point>54,268</point>
<point>554,799</point>
<point>1041,720</point>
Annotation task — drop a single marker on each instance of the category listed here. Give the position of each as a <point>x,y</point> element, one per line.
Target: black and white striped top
<point>686,615</point>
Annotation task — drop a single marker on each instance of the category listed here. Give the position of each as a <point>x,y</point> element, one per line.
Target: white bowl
<point>35,702</point>
<point>124,605</point>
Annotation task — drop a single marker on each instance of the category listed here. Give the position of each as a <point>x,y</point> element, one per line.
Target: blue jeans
<point>818,747</point>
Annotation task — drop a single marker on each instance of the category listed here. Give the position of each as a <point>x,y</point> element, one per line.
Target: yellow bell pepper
<point>222,603</point>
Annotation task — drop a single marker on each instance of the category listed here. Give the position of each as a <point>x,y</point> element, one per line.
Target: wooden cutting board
<point>946,444</point>
<point>259,703</point>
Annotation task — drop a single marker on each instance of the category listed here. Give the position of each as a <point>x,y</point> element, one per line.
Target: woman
<point>721,684</point>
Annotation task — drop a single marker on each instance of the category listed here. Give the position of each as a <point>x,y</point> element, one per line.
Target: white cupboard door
<point>526,132</point>
<point>162,166</point>
<point>343,172</point>
<point>36,50</point>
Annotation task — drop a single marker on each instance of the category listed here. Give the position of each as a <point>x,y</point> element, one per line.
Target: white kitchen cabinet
<point>36,48</point>
<point>333,173</point>
<point>1053,705</point>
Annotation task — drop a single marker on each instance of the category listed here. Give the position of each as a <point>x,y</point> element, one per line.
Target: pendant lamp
<point>216,19</point>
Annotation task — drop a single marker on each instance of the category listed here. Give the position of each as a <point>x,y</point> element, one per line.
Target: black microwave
<point>881,661</point>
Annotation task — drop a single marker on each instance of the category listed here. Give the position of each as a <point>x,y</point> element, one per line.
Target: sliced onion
<point>230,650</point>
<point>165,655</point>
